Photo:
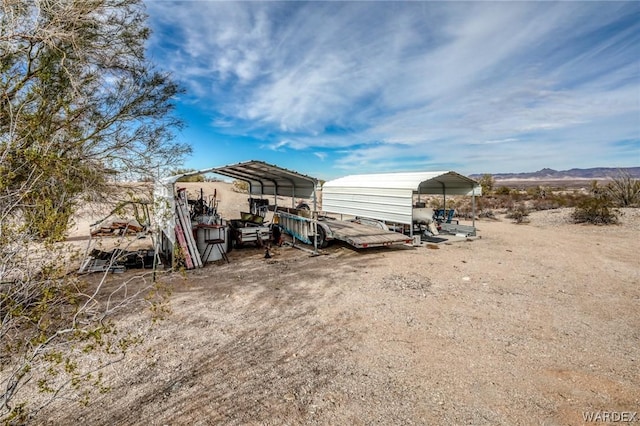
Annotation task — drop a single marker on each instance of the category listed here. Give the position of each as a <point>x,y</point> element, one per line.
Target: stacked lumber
<point>184,233</point>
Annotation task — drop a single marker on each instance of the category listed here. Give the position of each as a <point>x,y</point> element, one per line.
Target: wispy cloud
<point>391,83</point>
<point>320,155</point>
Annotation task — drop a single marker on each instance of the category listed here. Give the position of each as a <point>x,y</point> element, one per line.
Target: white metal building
<point>389,196</point>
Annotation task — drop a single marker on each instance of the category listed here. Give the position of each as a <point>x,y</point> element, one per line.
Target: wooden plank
<point>185,230</point>
<point>183,245</point>
<point>183,215</point>
<point>186,220</point>
<point>195,254</point>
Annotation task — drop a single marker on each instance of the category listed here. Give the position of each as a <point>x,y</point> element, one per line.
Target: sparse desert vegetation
<point>387,335</point>
<point>593,202</point>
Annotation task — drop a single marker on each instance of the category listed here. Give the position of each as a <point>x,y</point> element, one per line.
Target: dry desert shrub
<point>519,214</point>
<point>240,186</point>
<point>595,210</point>
<point>624,191</point>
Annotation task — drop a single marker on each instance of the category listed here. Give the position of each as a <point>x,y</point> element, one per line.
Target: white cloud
<point>440,82</point>
<point>278,146</point>
<point>497,141</point>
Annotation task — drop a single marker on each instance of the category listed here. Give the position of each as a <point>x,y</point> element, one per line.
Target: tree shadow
<point>268,356</point>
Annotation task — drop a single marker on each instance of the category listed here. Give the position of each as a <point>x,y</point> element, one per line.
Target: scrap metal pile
<point>124,230</point>
<point>117,260</point>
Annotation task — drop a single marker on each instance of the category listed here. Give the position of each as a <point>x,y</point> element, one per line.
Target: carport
<point>389,196</point>
<point>264,180</point>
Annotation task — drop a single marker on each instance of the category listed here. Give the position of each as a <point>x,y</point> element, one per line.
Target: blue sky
<point>337,88</point>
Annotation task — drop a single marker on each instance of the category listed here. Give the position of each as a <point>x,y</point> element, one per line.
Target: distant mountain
<point>550,174</point>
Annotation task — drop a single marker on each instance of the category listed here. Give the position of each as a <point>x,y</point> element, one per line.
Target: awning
<point>263,179</point>
<point>437,182</point>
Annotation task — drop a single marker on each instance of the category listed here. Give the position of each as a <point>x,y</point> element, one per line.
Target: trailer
<point>320,231</point>
<point>362,233</point>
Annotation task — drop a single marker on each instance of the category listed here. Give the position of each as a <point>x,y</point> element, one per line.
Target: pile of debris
<point>117,229</point>
<point>130,223</point>
<point>117,261</point>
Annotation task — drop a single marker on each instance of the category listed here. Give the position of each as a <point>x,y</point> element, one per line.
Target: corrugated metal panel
<point>263,179</point>
<point>392,205</point>
<point>409,180</point>
<point>423,182</point>
<point>450,183</point>
<point>267,179</point>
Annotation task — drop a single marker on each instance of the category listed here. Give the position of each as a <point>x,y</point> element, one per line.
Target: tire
<point>238,240</point>
<point>235,238</point>
<point>229,239</point>
<point>322,238</point>
<point>276,235</point>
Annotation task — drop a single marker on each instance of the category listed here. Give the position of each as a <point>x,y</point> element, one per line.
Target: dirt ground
<point>532,323</point>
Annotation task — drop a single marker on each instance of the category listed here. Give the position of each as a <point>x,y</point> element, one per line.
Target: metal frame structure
<point>264,180</point>
<point>389,196</point>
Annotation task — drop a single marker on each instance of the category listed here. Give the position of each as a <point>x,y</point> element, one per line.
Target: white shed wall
<point>392,205</point>
<point>389,196</point>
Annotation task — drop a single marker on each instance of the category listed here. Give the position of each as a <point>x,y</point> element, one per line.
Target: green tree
<point>487,183</point>
<point>80,108</point>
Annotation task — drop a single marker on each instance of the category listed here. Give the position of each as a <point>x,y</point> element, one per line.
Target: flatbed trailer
<point>359,234</point>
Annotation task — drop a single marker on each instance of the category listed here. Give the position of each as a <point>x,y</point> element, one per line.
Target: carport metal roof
<point>263,179</point>
<point>438,182</point>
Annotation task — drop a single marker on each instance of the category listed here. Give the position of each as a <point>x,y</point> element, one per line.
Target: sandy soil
<point>529,324</point>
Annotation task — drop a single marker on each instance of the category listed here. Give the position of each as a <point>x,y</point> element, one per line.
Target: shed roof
<point>435,182</point>
<point>263,178</point>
